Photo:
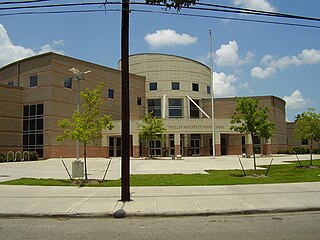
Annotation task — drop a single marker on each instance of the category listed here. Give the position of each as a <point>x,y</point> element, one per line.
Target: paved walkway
<point>150,201</point>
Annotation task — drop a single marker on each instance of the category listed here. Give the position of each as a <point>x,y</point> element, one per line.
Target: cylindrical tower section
<point>170,77</point>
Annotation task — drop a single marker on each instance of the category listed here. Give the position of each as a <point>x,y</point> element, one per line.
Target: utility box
<point>77,169</point>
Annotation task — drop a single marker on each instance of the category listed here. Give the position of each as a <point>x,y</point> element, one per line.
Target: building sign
<point>192,127</point>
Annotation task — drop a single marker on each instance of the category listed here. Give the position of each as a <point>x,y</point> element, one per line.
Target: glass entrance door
<point>195,144</point>
<point>155,148</point>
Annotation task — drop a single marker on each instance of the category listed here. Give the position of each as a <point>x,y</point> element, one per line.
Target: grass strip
<point>290,173</point>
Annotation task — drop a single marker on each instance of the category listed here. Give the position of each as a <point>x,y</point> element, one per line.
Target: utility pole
<point>212,97</point>
<point>125,112</point>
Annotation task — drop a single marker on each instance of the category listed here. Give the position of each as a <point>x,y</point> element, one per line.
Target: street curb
<point>161,214</point>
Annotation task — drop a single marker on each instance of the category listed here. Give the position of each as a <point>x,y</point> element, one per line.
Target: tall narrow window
<point>33,124</point>
<point>175,108</point>
<point>33,81</point>
<point>139,101</point>
<point>111,93</point>
<point>175,86</point>
<point>153,86</point>
<point>195,87</point>
<point>154,106</point>
<point>67,82</point>
<point>194,110</point>
<point>208,89</point>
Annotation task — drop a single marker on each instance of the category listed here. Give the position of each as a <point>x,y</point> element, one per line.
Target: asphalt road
<point>291,226</point>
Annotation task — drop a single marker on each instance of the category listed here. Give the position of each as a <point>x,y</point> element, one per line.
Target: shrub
<point>34,156</point>
<point>299,150</point>
<point>3,157</point>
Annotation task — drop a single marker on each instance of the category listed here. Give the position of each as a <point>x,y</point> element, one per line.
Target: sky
<point>250,58</point>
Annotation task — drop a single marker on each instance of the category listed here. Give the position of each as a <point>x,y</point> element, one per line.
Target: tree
<point>86,126</point>
<point>152,128</point>
<point>177,4</point>
<point>251,119</point>
<point>308,127</point>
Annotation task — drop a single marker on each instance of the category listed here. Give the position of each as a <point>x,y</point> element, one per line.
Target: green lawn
<point>277,174</point>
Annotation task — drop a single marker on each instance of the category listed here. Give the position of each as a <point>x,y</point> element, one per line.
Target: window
<point>195,87</point>
<point>175,86</point>
<point>68,82</point>
<point>33,124</point>
<point>208,89</point>
<point>304,142</point>
<point>33,81</point>
<point>175,108</point>
<point>194,110</point>
<point>139,101</point>
<point>111,93</point>
<point>153,86</point>
<point>154,105</point>
<point>11,83</point>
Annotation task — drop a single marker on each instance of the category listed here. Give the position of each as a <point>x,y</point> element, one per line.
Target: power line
<point>229,18</point>
<point>21,2</point>
<point>267,13</point>
<point>156,12</point>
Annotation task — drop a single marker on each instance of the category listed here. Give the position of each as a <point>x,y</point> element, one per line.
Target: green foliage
<point>308,127</point>
<point>152,128</point>
<point>299,150</point>
<point>86,126</point>
<point>251,119</point>
<point>177,4</point>
<point>33,156</point>
<point>3,157</point>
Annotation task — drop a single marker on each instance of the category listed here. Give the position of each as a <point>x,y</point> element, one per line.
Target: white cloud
<point>168,37</point>
<point>263,5</point>
<point>224,85</point>
<point>52,47</point>
<point>227,55</point>
<point>295,100</point>
<point>11,52</point>
<point>261,73</point>
<point>272,63</point>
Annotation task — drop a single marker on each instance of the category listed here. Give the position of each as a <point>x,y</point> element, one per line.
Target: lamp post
<point>77,165</point>
<point>78,76</point>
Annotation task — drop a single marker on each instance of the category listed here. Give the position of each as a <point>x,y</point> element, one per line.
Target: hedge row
<point>298,150</point>
<point>33,156</point>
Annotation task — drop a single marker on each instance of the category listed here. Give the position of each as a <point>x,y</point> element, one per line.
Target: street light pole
<point>78,76</point>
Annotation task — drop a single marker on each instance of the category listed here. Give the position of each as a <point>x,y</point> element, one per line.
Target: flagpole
<point>212,97</point>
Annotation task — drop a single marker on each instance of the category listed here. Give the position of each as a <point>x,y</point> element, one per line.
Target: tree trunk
<point>85,161</point>
<point>311,149</point>
<point>254,156</point>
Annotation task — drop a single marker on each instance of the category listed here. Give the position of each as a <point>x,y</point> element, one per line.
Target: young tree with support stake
<point>253,120</point>
<point>86,126</point>
<point>308,128</point>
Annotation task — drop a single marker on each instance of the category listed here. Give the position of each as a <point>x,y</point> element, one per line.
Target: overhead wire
<point>224,9</point>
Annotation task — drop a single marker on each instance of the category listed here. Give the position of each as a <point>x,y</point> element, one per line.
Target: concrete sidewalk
<point>158,201</point>
<point>151,201</point>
